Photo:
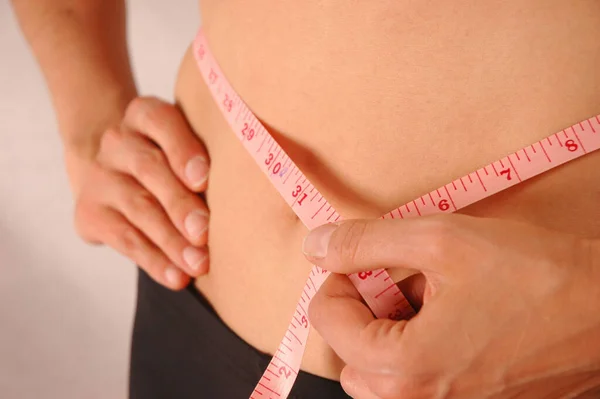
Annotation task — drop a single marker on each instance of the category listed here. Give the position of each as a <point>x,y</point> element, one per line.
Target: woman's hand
<point>139,195</point>
<point>510,310</point>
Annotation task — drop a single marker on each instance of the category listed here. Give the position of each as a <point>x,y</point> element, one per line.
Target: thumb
<point>428,244</point>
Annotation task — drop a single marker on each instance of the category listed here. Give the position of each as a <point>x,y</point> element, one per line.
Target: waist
<point>180,329</point>
<point>371,137</point>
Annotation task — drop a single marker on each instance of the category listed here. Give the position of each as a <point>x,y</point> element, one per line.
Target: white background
<point>66,308</point>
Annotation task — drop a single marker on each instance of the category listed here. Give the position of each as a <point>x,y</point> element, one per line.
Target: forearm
<point>82,50</point>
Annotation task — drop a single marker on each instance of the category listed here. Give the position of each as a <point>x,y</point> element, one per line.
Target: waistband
<point>180,331</point>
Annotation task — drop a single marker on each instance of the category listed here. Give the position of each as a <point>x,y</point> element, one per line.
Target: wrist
<point>77,165</point>
<point>82,131</point>
<point>85,122</point>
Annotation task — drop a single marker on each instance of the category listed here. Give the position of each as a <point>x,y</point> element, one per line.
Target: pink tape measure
<point>377,288</point>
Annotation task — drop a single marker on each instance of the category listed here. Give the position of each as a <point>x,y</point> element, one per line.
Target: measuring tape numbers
<point>377,288</point>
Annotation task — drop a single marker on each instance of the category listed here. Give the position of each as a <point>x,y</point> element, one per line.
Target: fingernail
<point>194,257</point>
<point>196,171</point>
<point>196,223</point>
<point>317,241</point>
<point>173,276</point>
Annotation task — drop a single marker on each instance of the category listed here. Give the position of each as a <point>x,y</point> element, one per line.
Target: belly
<point>377,104</point>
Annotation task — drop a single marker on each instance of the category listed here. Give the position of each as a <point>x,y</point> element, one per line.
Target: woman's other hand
<point>140,193</point>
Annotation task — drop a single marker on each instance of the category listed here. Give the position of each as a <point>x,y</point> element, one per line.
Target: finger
<point>144,212</point>
<point>164,124</point>
<point>354,384</point>
<point>134,154</point>
<point>115,231</point>
<point>391,358</point>
<point>349,327</point>
<point>428,244</point>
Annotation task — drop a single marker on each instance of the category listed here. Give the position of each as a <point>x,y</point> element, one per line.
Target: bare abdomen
<point>377,106</point>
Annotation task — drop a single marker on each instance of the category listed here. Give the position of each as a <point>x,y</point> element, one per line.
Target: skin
<point>377,104</point>
<point>533,333</point>
<point>417,83</point>
<point>137,195</point>
<point>134,164</point>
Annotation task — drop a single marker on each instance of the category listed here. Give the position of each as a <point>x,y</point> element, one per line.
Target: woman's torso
<point>379,102</point>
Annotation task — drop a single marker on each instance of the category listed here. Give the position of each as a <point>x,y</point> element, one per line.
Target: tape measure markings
<point>377,288</point>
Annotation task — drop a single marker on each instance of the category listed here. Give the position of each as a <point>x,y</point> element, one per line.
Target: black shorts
<point>181,349</point>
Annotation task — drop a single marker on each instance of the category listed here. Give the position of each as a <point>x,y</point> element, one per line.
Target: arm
<point>134,164</point>
<point>82,50</point>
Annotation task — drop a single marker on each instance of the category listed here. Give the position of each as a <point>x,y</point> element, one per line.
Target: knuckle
<point>161,110</point>
<point>137,106</point>
<point>178,150</point>
<point>443,236</point>
<point>110,139</point>
<point>144,110</point>
<point>180,203</point>
<point>167,238</point>
<point>145,162</point>
<point>347,240</point>
<point>153,265</point>
<point>172,244</point>
<point>143,201</point>
<point>130,240</point>
<point>110,136</point>
<point>158,113</point>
